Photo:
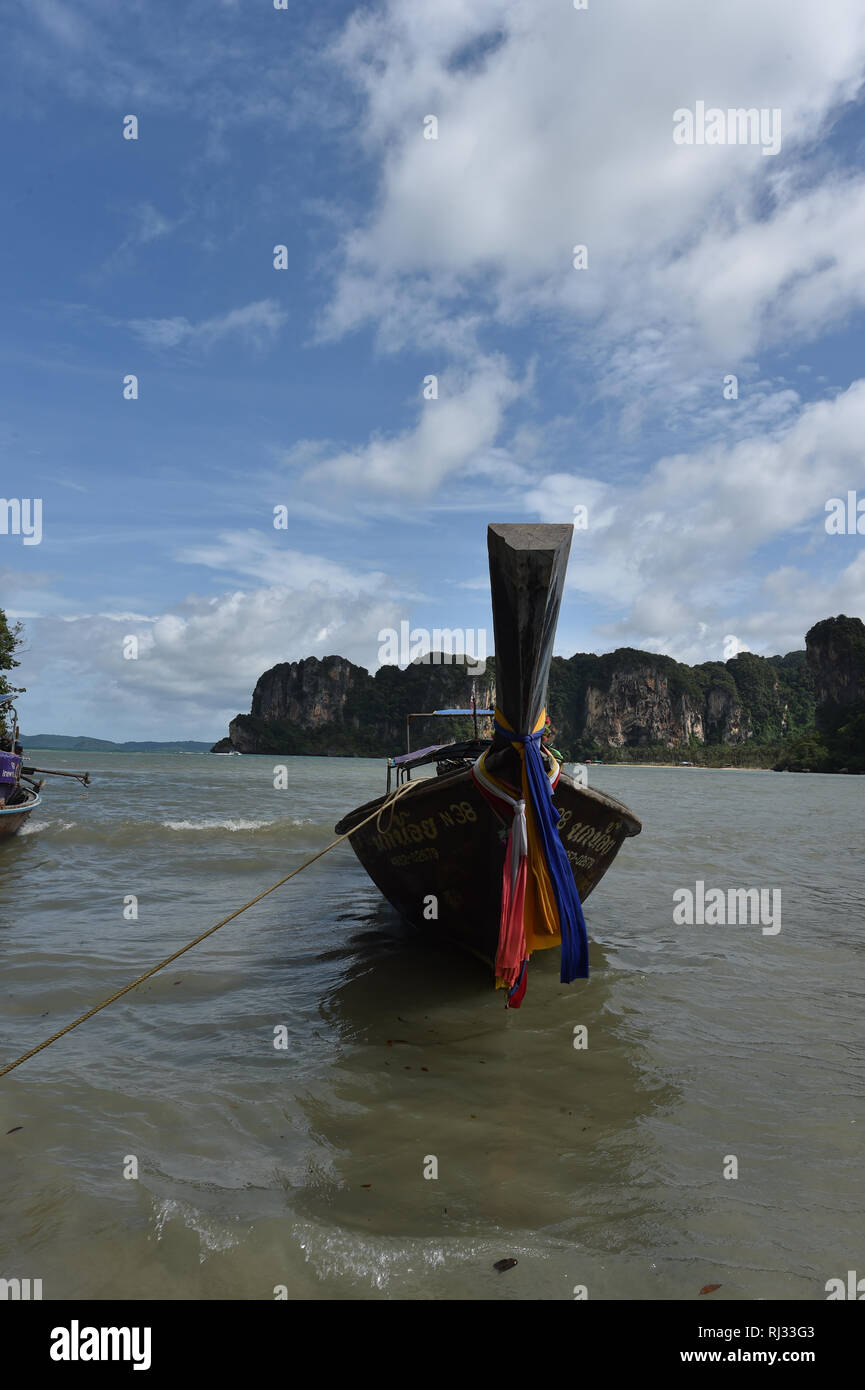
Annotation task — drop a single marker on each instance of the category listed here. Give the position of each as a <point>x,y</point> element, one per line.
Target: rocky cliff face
<point>310,692</point>
<point>836,656</point>
<point>726,720</point>
<point>642,706</point>
<point>623,699</point>
<point>637,709</point>
<point>331,706</point>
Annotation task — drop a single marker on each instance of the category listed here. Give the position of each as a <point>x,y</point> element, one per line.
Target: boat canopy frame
<point>466,748</point>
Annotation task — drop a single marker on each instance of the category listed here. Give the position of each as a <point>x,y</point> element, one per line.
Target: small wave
<point>380,1261</point>
<point>218,824</point>
<point>212,1236</point>
<point>126,831</point>
<point>33,827</point>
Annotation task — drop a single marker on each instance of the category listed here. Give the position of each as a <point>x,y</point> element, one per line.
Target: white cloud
<point>674,549</point>
<point>256,324</point>
<point>563,134</point>
<point>450,435</point>
<point>252,554</point>
<point>199,661</point>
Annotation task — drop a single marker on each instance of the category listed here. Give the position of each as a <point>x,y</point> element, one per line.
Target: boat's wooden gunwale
<point>443,841</point>
<point>602,798</point>
<point>13,817</point>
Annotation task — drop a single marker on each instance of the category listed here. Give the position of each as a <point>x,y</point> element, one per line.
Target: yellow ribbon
<point>541,916</point>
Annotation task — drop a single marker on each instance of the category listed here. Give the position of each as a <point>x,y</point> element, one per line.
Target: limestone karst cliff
<point>331,706</point>
<point>836,660</point>
<point>836,657</point>
<point>618,703</point>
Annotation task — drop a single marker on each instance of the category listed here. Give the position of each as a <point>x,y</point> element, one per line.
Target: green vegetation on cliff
<point>371,720</point>
<point>836,742</point>
<point>623,706</point>
<point>10,642</point>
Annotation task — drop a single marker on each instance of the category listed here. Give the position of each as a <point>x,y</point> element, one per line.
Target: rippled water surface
<point>304,1166</point>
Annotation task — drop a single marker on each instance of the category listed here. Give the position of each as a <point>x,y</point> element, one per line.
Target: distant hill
<point>64,743</point>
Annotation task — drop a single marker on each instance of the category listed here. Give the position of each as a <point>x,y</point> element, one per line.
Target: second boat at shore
<point>20,785</point>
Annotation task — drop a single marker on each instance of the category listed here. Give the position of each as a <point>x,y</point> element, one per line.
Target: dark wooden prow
<point>527,576</point>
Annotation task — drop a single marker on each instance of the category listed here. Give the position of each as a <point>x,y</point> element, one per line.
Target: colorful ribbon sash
<point>540,903</point>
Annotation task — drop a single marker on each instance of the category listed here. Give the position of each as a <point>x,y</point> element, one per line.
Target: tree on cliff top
<point>10,641</point>
<point>849,632</point>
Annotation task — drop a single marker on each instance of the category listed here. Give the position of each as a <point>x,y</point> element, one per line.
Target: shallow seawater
<point>303,1166</point>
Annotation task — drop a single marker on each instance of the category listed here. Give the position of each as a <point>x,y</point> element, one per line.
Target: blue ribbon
<point>572,923</point>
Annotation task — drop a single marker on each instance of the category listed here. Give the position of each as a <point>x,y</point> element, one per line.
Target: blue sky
<point>409,257</point>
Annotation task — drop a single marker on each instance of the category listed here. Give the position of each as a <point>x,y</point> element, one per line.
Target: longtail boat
<point>500,849</point>
<point>20,786</point>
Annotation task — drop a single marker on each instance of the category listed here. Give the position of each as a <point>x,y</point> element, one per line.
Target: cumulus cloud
<point>451,434</point>
<point>198,662</point>
<point>671,548</point>
<point>555,128</point>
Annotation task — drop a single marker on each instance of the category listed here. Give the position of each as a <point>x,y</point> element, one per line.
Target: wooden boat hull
<point>13,817</point>
<point>443,840</point>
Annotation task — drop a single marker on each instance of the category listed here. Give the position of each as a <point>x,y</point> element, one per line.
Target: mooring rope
<point>390,803</point>
<point>393,796</point>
